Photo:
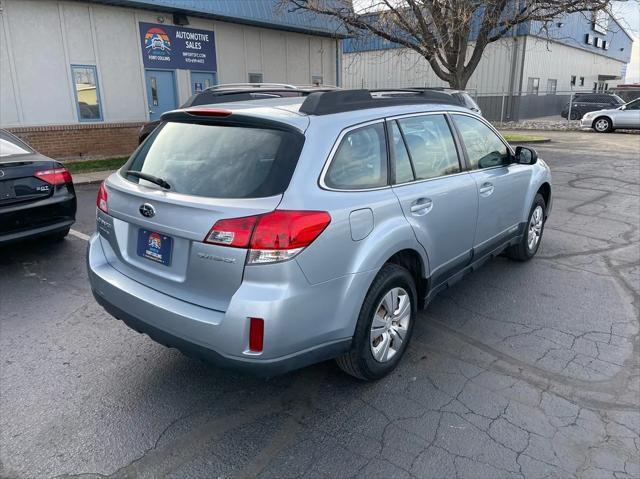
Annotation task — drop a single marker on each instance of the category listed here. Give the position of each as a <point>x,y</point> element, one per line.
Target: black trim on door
<point>463,157</point>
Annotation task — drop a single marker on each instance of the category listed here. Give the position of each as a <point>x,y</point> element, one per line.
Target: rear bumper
<point>33,233</point>
<point>31,220</point>
<point>258,367</point>
<point>301,336</point>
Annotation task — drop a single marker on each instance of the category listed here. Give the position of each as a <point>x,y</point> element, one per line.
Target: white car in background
<point>625,117</point>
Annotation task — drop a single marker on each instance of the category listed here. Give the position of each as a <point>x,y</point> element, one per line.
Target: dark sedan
<point>585,102</point>
<point>37,197</point>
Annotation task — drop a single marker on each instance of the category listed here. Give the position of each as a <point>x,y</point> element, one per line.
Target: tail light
<point>272,237</point>
<point>56,176</point>
<point>101,200</point>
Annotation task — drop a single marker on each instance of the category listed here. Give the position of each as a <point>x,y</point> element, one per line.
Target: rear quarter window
<point>360,162</point>
<point>218,161</point>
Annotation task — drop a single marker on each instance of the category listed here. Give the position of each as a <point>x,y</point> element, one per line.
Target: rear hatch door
<point>156,235</point>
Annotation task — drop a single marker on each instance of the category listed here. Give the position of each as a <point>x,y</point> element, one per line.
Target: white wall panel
<point>118,47</point>
<point>329,61</point>
<point>253,50</point>
<point>274,48</point>
<point>183,86</point>
<point>395,68</point>
<point>9,101</point>
<point>550,60</point>
<point>41,70</point>
<point>315,58</point>
<point>230,52</point>
<point>297,53</point>
<point>77,32</point>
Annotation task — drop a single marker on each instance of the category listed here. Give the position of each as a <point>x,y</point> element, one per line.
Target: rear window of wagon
<point>218,161</point>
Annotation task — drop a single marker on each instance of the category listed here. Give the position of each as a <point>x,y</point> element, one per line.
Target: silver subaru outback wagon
<point>274,234</point>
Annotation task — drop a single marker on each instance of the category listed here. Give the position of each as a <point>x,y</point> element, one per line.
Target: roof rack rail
<point>339,101</point>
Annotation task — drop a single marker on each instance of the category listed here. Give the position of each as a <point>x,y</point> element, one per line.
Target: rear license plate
<point>155,246</point>
<point>7,190</point>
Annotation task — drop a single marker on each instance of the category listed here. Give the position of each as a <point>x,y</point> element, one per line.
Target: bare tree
<point>450,34</point>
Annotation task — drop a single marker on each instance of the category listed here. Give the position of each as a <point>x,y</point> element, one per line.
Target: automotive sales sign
<point>171,47</point>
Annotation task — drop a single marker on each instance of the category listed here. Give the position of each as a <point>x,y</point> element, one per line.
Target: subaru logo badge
<point>147,210</point>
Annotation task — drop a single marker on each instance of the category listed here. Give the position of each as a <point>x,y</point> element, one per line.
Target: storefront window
<point>85,82</point>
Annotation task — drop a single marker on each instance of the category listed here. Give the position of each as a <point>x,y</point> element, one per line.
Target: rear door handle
<point>486,189</point>
<point>421,206</point>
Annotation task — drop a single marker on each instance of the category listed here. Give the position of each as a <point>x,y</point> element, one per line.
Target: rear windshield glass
<point>218,161</point>
<point>10,145</point>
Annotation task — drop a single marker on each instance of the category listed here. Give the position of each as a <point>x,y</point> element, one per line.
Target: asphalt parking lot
<point>521,370</point>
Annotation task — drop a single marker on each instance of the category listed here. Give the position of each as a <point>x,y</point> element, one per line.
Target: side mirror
<point>623,107</point>
<point>526,156</point>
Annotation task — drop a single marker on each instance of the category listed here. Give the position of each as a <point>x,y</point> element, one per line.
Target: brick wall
<point>81,141</point>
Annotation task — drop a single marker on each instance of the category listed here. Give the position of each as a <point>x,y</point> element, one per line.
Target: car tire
<point>603,124</point>
<point>575,115</point>
<point>532,234</point>
<point>367,359</point>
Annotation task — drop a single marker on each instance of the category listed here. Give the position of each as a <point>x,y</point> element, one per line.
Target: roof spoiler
<point>223,117</point>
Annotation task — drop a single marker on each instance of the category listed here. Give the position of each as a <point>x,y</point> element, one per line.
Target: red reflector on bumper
<point>256,334</point>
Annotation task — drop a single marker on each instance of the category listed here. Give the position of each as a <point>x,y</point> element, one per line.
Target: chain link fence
<point>551,106</point>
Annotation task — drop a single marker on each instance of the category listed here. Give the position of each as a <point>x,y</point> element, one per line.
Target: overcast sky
<point>628,14</point>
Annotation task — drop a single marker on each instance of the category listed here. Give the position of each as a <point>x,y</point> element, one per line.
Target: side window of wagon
<point>484,148</point>
<point>360,161</point>
<point>431,147</point>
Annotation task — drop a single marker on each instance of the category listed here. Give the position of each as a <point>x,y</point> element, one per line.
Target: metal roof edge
<point>220,17</point>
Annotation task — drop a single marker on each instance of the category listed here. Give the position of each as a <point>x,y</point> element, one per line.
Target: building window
<point>573,80</point>
<point>581,81</point>
<point>605,44</point>
<point>533,86</point>
<point>598,42</point>
<point>255,77</point>
<point>588,39</point>
<point>595,86</point>
<point>85,83</point>
<point>552,86</point>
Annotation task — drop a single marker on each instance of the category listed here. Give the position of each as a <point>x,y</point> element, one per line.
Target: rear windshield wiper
<point>153,179</point>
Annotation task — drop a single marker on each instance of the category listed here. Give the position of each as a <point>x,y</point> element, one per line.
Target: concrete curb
<point>89,178</point>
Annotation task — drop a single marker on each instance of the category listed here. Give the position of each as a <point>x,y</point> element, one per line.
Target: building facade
<point>78,78</point>
<point>526,74</point>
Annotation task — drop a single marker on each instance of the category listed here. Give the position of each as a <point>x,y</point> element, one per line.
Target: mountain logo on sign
<point>157,42</point>
<point>155,243</point>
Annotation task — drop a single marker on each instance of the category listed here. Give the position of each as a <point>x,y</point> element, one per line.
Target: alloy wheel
<point>602,125</point>
<point>390,324</point>
<point>535,228</point>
